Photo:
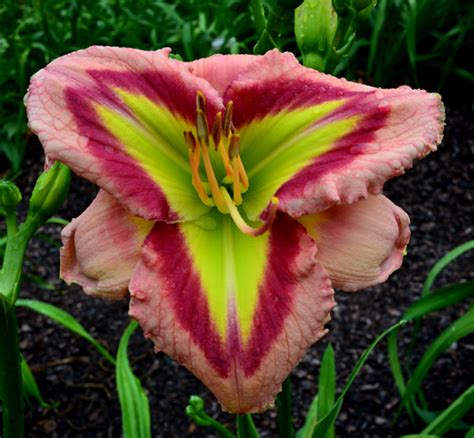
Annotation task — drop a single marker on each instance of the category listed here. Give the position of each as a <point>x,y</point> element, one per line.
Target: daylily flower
<point>236,192</point>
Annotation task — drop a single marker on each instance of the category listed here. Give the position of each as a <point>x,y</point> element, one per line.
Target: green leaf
<point>470,433</point>
<point>396,368</point>
<point>327,387</point>
<point>442,298</point>
<point>457,330</point>
<point>443,262</point>
<point>311,419</point>
<point>30,387</point>
<point>454,412</point>
<point>438,300</point>
<point>325,424</point>
<point>133,400</point>
<point>420,436</point>
<point>66,320</point>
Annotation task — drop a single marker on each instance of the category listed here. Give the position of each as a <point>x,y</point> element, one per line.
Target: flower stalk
<point>48,194</point>
<point>11,393</point>
<point>284,409</point>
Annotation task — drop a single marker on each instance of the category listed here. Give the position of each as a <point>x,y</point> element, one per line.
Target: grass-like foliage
<point>424,43</point>
<point>34,32</point>
<point>421,42</point>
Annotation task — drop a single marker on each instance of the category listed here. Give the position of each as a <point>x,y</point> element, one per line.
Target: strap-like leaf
<point>327,387</point>
<point>325,424</point>
<point>66,320</point>
<point>457,330</point>
<point>438,300</point>
<point>454,412</point>
<point>30,387</point>
<point>443,262</point>
<point>442,298</point>
<point>133,400</point>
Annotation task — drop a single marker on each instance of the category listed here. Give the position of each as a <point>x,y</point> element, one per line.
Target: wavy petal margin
<point>318,141</point>
<point>360,244</point>
<point>116,116</point>
<point>237,311</point>
<point>102,247</point>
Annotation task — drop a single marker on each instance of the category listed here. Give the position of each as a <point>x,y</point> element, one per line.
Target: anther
<point>216,130</point>
<point>200,101</point>
<point>202,127</point>
<point>234,146</point>
<point>194,155</point>
<point>228,118</point>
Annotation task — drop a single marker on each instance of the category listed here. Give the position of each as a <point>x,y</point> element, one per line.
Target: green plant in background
<point>418,42</point>
<point>48,194</point>
<point>34,32</point>
<point>409,378</point>
<point>325,30</point>
<point>415,42</point>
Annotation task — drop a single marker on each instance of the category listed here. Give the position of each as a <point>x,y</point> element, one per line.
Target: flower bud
<point>315,27</point>
<point>197,403</point>
<point>10,196</point>
<point>49,192</point>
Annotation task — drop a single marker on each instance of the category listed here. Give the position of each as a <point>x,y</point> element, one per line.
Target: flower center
<point>226,144</point>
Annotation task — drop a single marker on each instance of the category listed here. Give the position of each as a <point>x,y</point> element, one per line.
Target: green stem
<point>11,393</point>
<point>245,427</point>
<point>284,409</point>
<point>17,241</point>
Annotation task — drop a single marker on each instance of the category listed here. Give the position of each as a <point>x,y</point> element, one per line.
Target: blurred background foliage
<point>424,43</point>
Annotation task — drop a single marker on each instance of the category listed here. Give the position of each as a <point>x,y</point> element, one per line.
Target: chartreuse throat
<point>218,149</point>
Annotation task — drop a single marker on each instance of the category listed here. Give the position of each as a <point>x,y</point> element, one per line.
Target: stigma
<point>218,173</point>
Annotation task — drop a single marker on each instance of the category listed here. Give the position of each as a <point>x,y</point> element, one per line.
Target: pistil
<point>240,222</point>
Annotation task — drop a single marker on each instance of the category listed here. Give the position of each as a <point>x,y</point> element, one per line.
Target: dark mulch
<point>438,195</point>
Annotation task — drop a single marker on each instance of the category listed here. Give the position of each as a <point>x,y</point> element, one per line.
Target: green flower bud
<point>197,403</point>
<point>10,196</point>
<point>49,192</point>
<point>315,27</point>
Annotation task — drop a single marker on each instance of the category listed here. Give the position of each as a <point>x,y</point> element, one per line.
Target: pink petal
<point>63,103</point>
<point>172,306</point>
<point>102,247</point>
<point>360,244</point>
<point>221,70</point>
<point>395,127</point>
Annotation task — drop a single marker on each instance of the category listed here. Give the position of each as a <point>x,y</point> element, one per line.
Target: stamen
<point>225,159</point>
<point>243,175</point>
<point>216,130</point>
<point>228,118</point>
<point>194,155</point>
<point>234,150</point>
<point>236,182</point>
<point>202,127</point>
<point>239,221</point>
<point>234,146</point>
<point>211,177</point>
<point>200,101</point>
